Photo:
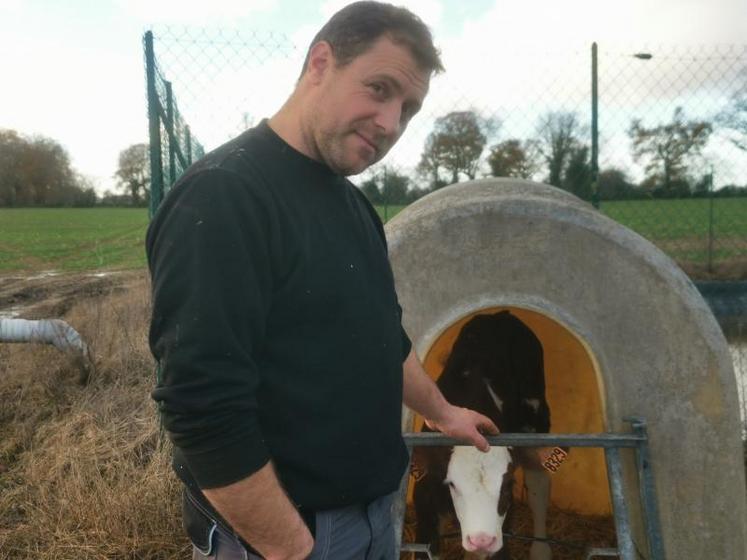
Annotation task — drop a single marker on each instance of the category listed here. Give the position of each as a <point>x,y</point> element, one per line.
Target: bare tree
<point>734,117</point>
<point>455,146</point>
<point>133,173</point>
<point>665,148</point>
<point>12,147</point>
<point>558,134</point>
<point>577,176</point>
<point>35,172</point>
<point>514,158</point>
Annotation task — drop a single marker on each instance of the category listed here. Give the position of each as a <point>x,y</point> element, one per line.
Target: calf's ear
<point>527,457</point>
<point>418,463</point>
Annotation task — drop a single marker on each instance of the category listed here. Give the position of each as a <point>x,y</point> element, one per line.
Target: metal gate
<point>611,443</point>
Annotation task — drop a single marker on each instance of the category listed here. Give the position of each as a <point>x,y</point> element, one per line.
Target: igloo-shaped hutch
<point>624,333</point>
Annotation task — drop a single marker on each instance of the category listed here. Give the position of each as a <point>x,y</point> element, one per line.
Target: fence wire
<point>665,153</point>
<point>655,136</point>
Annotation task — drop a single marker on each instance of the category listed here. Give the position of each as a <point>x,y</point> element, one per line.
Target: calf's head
<point>480,485</point>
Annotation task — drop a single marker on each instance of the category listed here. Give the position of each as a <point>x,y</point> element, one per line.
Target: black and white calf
<point>496,368</point>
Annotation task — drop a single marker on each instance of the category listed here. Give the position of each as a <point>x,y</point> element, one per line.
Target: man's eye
<point>378,88</point>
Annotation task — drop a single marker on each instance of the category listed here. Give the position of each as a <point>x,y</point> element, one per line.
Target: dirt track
<point>50,295</point>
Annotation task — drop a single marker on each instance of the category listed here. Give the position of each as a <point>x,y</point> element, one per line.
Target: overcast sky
<point>73,70</point>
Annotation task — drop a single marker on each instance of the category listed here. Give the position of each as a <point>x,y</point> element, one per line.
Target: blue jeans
<point>359,532</point>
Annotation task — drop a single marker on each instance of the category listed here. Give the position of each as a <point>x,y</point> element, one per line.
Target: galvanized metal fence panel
<point>611,443</point>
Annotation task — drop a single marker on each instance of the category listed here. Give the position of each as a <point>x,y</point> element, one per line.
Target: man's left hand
<point>465,424</point>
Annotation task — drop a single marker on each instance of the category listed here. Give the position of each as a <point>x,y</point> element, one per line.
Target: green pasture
<point>71,239</point>
<point>689,230</point>
<point>677,219</point>
<point>112,238</point>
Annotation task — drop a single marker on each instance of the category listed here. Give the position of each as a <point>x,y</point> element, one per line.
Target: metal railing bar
<point>431,439</point>
<point>412,547</point>
<point>398,510</point>
<point>596,552</point>
<point>648,492</point>
<point>622,520</point>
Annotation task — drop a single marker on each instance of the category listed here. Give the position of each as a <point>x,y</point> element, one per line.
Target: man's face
<point>362,108</point>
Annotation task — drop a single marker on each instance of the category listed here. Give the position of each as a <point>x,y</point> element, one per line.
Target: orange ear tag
<point>417,472</point>
<point>554,459</point>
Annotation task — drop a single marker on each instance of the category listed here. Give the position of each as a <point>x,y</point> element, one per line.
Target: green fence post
<point>710,222</point>
<point>594,129</point>
<point>385,192</point>
<point>154,127</point>
<point>188,144</point>
<point>170,132</point>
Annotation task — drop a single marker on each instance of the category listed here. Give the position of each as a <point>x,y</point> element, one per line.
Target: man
<point>275,321</point>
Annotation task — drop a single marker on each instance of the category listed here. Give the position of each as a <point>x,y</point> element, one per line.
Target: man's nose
<point>388,119</point>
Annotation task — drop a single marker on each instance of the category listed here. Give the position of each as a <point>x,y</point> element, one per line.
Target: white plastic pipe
<point>49,331</point>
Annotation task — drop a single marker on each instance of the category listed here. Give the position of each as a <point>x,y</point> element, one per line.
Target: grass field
<point>678,219</point>
<point>112,238</point>
<point>71,239</point>
<point>691,231</point>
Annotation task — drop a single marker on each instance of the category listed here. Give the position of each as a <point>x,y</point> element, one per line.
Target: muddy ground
<point>48,295</point>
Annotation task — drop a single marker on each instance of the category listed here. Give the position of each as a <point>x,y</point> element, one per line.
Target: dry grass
<point>81,471</point>
<point>82,475</point>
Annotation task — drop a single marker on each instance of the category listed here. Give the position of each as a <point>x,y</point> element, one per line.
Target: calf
<point>496,368</point>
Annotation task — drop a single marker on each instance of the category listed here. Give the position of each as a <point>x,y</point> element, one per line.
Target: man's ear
<point>321,60</point>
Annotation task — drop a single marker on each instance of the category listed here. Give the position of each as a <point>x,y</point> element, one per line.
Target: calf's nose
<point>481,541</point>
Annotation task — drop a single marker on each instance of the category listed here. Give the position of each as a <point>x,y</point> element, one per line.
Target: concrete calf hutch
<point>624,333</point>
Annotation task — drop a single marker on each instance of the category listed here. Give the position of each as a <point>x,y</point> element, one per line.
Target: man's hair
<point>354,29</point>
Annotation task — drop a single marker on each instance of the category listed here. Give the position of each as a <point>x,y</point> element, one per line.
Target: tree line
<point>461,147</point>
<point>36,171</point>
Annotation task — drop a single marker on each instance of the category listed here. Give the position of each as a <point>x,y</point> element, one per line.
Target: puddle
<point>11,313</point>
<point>43,274</point>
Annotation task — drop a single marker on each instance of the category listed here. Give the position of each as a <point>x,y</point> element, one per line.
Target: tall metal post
<point>171,133</point>
<point>385,193</point>
<point>188,144</point>
<point>648,491</point>
<point>622,521</point>
<point>154,127</point>
<point>710,221</point>
<point>594,129</point>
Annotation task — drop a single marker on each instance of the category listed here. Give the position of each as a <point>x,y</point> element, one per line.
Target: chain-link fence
<point>655,136</point>
<point>173,147</point>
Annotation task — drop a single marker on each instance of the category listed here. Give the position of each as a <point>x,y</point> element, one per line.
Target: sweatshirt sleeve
<point>209,251</point>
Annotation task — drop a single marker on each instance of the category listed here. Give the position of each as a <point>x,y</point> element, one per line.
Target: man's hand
<point>422,395</point>
<point>258,510</point>
<point>464,424</point>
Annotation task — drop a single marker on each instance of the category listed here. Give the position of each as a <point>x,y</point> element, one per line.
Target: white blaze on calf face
<point>475,480</point>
